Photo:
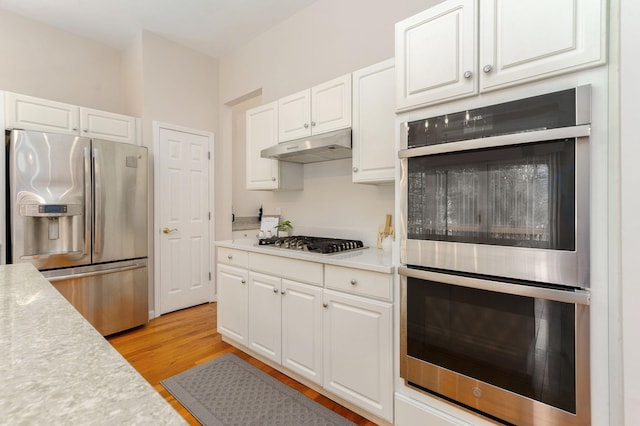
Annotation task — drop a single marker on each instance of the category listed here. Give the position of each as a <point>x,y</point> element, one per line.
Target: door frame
<point>155,232</point>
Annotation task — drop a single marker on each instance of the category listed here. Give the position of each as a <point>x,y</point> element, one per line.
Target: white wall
<point>180,86</point>
<point>630,196</point>
<point>325,40</point>
<point>43,61</point>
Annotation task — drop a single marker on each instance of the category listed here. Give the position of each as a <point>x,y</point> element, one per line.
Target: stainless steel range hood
<point>324,147</point>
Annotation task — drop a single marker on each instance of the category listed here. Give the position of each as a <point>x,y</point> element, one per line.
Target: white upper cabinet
<point>436,53</point>
<point>462,47</point>
<point>295,116</point>
<point>107,125</point>
<point>373,135</point>
<point>262,132</point>
<point>264,173</point>
<point>323,108</point>
<point>528,40</point>
<point>31,113</point>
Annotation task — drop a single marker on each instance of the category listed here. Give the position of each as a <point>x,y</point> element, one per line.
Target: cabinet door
<point>436,54</point>
<point>374,153</point>
<point>30,113</point>
<point>331,105</point>
<point>527,40</point>
<point>233,303</point>
<point>358,362</point>
<point>262,132</point>
<point>294,116</point>
<point>302,329</point>
<point>265,315</point>
<point>107,125</point>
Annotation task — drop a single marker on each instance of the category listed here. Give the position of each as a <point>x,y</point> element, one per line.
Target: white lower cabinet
<point>331,325</point>
<point>358,351</point>
<point>265,315</point>
<point>302,329</point>
<point>285,323</point>
<point>233,309</point>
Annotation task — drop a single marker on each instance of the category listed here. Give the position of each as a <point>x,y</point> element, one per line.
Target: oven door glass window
<point>522,344</point>
<point>520,195</point>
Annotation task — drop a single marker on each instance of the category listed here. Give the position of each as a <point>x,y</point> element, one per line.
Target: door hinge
<point>209,276</point>
<point>209,155</point>
<point>209,215</point>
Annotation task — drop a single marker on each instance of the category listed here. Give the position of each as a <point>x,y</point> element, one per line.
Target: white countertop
<point>371,259</point>
<point>56,369</point>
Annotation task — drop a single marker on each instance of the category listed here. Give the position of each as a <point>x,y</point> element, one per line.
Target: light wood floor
<point>180,340</point>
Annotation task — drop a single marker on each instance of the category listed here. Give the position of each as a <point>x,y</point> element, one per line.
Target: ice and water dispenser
<point>52,229</point>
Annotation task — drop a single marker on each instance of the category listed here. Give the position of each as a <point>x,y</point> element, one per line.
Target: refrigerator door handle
<point>94,273</point>
<point>88,196</point>
<point>97,201</point>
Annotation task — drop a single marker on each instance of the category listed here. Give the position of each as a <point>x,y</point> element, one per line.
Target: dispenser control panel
<point>52,208</point>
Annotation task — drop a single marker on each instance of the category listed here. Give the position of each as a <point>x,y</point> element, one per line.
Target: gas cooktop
<point>321,245</point>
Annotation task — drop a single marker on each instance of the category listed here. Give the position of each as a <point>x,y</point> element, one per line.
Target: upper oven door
<point>511,205</point>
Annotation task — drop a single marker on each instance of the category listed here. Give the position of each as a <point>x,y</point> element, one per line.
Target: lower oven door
<point>516,352</point>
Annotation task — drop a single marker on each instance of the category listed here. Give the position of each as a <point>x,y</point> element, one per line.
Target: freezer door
<point>111,297</point>
<point>120,201</point>
<point>49,197</point>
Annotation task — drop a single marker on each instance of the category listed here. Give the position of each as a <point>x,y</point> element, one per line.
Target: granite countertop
<point>371,259</point>
<point>56,369</point>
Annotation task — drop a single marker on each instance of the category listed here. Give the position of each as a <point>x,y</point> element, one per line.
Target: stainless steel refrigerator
<point>78,210</point>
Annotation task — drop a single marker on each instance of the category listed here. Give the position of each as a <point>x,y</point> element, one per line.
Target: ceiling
<point>213,27</point>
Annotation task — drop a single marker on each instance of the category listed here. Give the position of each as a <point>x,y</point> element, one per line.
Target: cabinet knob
<point>229,257</point>
<point>283,292</point>
<point>354,282</point>
<point>306,125</point>
<point>273,179</point>
<point>86,130</point>
<point>75,129</point>
<point>313,123</point>
<point>243,281</point>
<point>325,305</point>
<point>487,68</point>
<point>355,170</point>
<point>468,74</point>
<point>275,290</point>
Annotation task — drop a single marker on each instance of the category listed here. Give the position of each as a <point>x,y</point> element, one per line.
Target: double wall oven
<point>495,253</point>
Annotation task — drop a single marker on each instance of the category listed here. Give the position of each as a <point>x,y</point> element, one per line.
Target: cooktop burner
<point>320,245</point>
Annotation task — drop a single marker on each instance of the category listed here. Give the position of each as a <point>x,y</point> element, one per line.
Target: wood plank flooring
<point>180,340</point>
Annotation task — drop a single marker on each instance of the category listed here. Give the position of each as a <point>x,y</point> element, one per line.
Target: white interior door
<point>182,218</point>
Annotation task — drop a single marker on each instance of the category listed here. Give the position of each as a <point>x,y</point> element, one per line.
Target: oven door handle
<point>575,296</point>
<point>498,141</point>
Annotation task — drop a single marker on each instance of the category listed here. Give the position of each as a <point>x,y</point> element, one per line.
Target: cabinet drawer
<point>358,281</point>
<point>233,257</point>
<point>293,269</point>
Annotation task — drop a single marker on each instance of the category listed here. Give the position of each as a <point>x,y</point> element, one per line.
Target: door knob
<point>169,230</point>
